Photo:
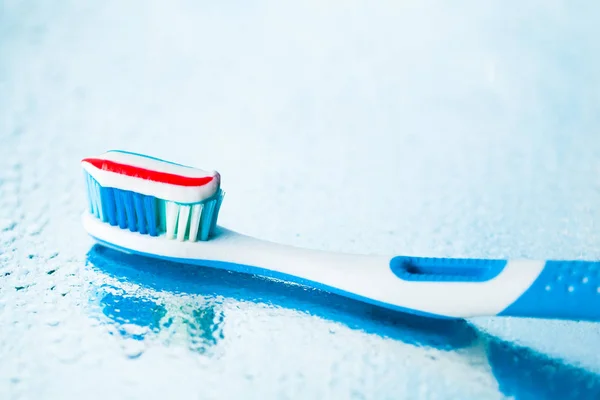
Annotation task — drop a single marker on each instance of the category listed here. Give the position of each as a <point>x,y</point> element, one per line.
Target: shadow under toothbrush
<point>520,372</point>
<point>525,374</point>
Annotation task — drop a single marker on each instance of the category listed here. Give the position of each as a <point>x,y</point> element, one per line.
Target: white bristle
<point>195,221</point>
<point>184,214</point>
<point>172,214</point>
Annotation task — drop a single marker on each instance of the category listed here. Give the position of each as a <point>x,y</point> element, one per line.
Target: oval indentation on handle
<point>446,269</point>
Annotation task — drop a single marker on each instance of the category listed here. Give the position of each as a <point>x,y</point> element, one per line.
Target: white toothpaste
<point>152,177</point>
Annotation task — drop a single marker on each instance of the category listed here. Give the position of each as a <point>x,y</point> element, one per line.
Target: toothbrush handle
<point>564,289</point>
<point>523,288</point>
<point>436,287</point>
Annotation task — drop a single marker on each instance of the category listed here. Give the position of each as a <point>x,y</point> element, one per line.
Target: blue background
<point>418,128</point>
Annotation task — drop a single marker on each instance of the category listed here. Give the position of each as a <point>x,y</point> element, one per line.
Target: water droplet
<point>134,330</point>
<point>35,229</point>
<point>571,289</point>
<point>548,288</point>
<point>585,279</point>
<point>133,348</point>
<point>7,225</point>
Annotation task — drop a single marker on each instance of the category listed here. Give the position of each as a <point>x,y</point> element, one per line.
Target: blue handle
<point>564,289</point>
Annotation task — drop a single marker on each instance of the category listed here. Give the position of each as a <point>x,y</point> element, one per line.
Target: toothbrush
<point>155,208</point>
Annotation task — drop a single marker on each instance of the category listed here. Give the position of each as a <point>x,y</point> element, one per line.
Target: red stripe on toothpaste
<point>143,173</point>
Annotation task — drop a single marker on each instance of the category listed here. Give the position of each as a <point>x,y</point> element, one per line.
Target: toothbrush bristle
<point>152,216</point>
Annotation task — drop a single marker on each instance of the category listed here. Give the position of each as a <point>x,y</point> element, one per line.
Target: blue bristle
<point>138,201</point>
<point>127,196</point>
<point>92,194</point>
<point>120,203</point>
<point>108,205</point>
<point>96,199</point>
<point>151,211</point>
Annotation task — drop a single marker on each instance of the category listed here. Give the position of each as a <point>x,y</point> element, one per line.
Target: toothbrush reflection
<point>136,310</point>
<point>195,324</point>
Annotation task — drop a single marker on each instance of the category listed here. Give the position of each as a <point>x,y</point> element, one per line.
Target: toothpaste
<point>152,177</point>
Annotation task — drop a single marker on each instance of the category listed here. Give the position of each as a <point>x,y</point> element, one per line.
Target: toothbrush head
<point>153,196</point>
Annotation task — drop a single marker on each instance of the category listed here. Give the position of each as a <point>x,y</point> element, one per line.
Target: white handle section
<point>369,277</point>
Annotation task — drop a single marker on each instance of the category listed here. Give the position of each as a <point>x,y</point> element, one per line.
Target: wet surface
<point>415,129</point>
